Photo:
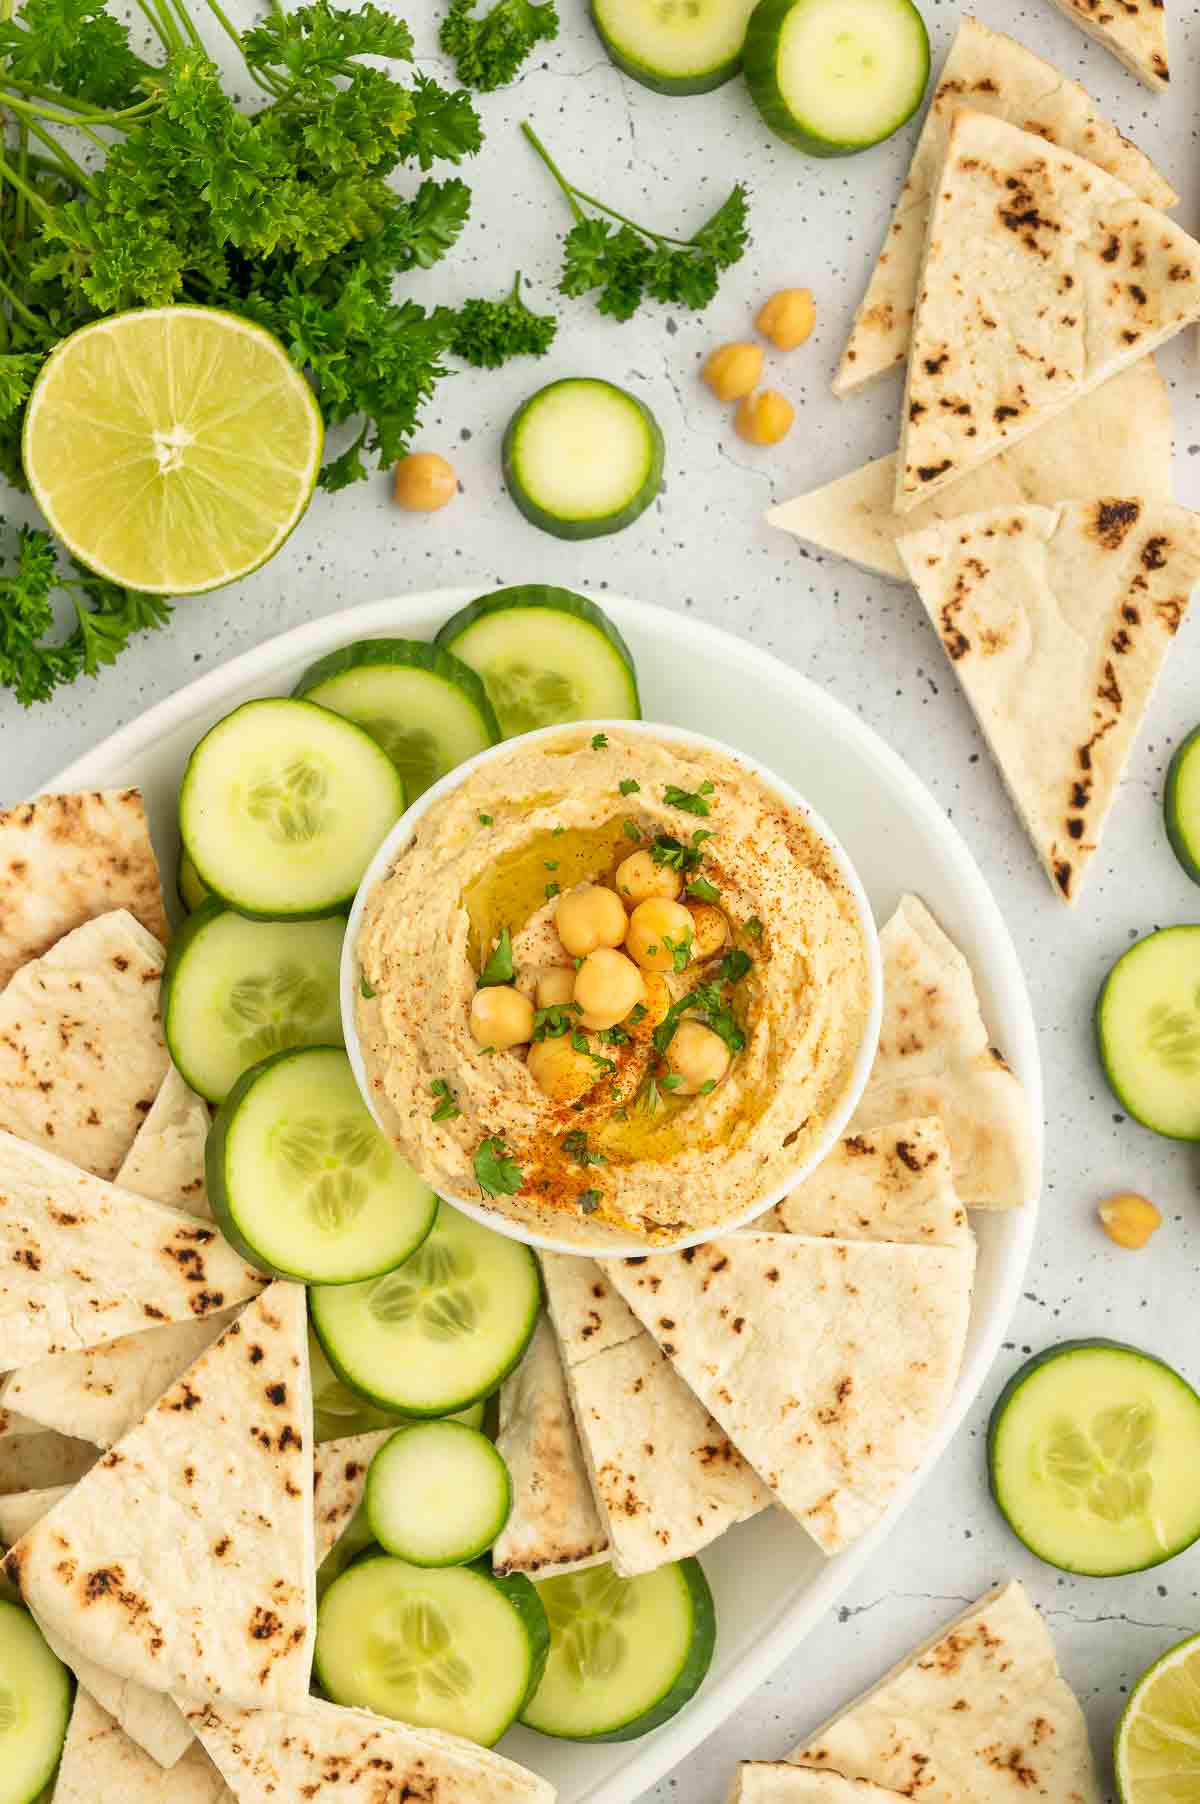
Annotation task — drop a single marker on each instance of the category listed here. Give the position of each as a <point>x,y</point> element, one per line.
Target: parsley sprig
<point>487,333</point>
<point>496,1171</point>
<point>489,50</point>
<point>626,261</point>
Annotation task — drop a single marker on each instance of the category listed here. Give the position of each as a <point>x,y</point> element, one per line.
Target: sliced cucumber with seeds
<point>35,1707</point>
<point>547,656</point>
<point>1148,1030</point>
<point>303,1182</point>
<point>674,46</point>
<point>1181,804</point>
<point>235,991</point>
<point>445,1328</point>
<point>438,1494</point>
<point>625,1654</point>
<point>834,77</point>
<point>189,886</point>
<point>425,707</point>
<point>1093,1450</point>
<point>450,1648</point>
<point>282,807</point>
<point>338,1411</point>
<point>582,458</point>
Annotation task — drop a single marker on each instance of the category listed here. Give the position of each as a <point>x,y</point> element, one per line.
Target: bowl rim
<point>839,1118</point>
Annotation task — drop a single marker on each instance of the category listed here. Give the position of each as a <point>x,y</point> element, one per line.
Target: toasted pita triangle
<point>32,1461</point>
<point>1021,1732</point>
<point>166,1160</point>
<point>150,1719</point>
<point>1135,31</point>
<point>778,1782</point>
<point>829,1364</point>
<point>996,75</point>
<point>100,1762</point>
<point>935,1058</point>
<point>339,1480</point>
<point>1117,440</point>
<point>665,1478</point>
<point>1057,622</point>
<point>184,1561</point>
<point>66,859</point>
<point>894,1185</point>
<point>1043,277</point>
<point>11,1420</point>
<point>321,1750</point>
<point>82,1262</point>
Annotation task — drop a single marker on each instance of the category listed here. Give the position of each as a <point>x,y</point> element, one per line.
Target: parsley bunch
<point>488,51</point>
<point>626,261</point>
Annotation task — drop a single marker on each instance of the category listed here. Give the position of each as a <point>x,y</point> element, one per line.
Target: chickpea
<point>639,878</point>
<point>787,318</point>
<point>589,916</point>
<point>501,1017</point>
<point>698,1056</point>
<point>557,1068</point>
<point>732,370</point>
<point>607,987</point>
<point>651,925</point>
<point>656,1002</point>
<point>764,418</point>
<point>424,482</point>
<point>710,930</point>
<point>555,987</point>
<point>1130,1220</point>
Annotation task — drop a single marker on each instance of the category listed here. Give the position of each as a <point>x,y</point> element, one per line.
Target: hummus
<point>788,993</point>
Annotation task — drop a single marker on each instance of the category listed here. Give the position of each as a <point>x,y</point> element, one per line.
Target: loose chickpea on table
<point>424,482</point>
<point>733,370</point>
<point>764,418</point>
<point>788,318</point>
<point>1129,1220</point>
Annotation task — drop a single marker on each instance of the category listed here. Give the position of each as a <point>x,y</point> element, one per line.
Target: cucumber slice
<point>834,77</point>
<point>1093,1450</point>
<point>438,1494</point>
<point>235,991</point>
<point>35,1707</point>
<point>338,1411</point>
<point>282,807</point>
<point>1181,804</point>
<point>582,458</point>
<point>425,707</point>
<point>625,1654</point>
<point>444,1329</point>
<point>674,46</point>
<point>547,656</point>
<point>1148,1031</point>
<point>189,886</point>
<point>450,1648</point>
<point>301,1180</point>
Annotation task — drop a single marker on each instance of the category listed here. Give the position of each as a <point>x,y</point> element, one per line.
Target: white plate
<point>771,1585</point>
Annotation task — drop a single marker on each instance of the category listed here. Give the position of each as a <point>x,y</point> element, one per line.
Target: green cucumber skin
<point>1110,1076</point>
<point>575,530</point>
<point>1000,1407</point>
<point>545,595</point>
<point>523,1597</point>
<point>406,654</point>
<point>181,942</point>
<point>759,65</point>
<point>1187,854</point>
<point>679,87</point>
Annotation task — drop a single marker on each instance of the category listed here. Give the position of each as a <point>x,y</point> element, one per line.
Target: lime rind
<point>1157,1748</point>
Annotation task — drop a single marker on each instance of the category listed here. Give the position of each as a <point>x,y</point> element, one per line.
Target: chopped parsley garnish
<point>632,830</point>
<point>552,890</point>
<point>734,966</point>
<point>553,1022</point>
<point>703,890</point>
<point>753,927</point>
<point>680,950</point>
<point>612,1036</point>
<point>671,1080</point>
<point>555,831</point>
<point>551,864</point>
<point>499,967</point>
<point>496,1171</point>
<point>599,741</point>
<point>709,1006</point>
<point>579,1043</point>
<point>589,1201</point>
<point>707,1087</point>
<point>485,820</point>
<point>667,850</point>
<point>637,1013</point>
<point>366,987</point>
<point>629,786</point>
<point>692,801</point>
<point>446,1108</point>
<point>575,1145</point>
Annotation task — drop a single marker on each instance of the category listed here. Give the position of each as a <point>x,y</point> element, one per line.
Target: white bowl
<point>584,1238</point>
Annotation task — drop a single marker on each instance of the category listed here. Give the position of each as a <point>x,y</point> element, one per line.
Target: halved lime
<point>1158,1738</point>
<point>173,448</point>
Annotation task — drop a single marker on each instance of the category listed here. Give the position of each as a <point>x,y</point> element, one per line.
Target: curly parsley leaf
<point>496,1171</point>
<point>486,333</point>
<point>691,801</point>
<point>489,49</point>
<point>73,47</point>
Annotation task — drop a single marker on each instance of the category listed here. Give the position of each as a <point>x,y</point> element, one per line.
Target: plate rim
<point>652,1758</point>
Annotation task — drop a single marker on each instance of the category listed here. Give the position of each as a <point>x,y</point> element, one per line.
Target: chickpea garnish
<point>656,1003</point>
<point>658,929</point>
<point>560,1070</point>
<point>556,987</point>
<point>589,916</point>
<point>787,318</point>
<point>764,417</point>
<point>710,930</point>
<point>1129,1219</point>
<point>501,1017</point>
<point>639,878</point>
<point>424,482</point>
<point>608,986</point>
<point>732,370</point>
<point>698,1057</point>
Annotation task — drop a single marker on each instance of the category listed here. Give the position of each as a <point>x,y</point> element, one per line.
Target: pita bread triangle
<point>339,1480</point>
<point>1043,277</point>
<point>184,1560</point>
<point>894,1185</point>
<point>320,1750</point>
<point>1117,440</point>
<point>100,1762</point>
<point>778,1782</point>
<point>1135,31</point>
<point>65,859</point>
<point>166,1160</point>
<point>980,1712</point>
<point>829,1364</point>
<point>1057,622</point>
<point>994,74</point>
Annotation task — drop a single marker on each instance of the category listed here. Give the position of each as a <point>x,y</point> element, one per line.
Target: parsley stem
<point>21,310</point>
<point>67,166</point>
<point>575,195</point>
<point>10,175</point>
<point>554,169</point>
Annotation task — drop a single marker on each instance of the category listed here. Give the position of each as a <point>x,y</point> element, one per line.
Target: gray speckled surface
<point>703,548</point>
